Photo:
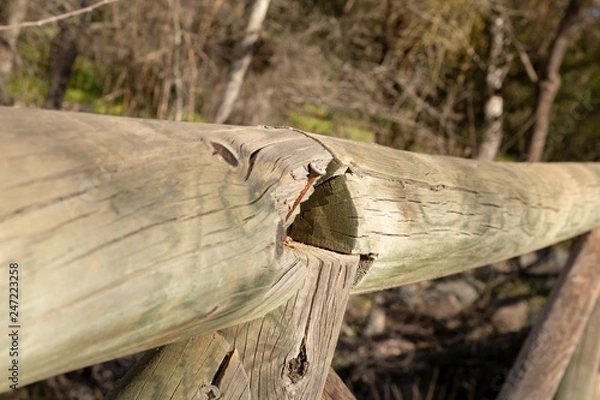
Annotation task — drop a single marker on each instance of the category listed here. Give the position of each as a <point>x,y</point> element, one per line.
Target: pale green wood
<point>414,217</point>
<point>131,233</point>
<point>190,369</point>
<point>286,354</point>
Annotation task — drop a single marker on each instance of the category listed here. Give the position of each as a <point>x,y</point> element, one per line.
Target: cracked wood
<point>133,233</point>
<point>415,217</point>
<point>286,354</point>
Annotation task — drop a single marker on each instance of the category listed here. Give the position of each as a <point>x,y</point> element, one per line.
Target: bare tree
<point>550,80</point>
<point>12,12</point>
<point>242,60</point>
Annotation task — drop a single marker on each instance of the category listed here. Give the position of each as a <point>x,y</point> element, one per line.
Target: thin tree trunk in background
<point>11,12</point>
<point>550,82</point>
<point>494,106</point>
<point>243,58</point>
<point>63,52</point>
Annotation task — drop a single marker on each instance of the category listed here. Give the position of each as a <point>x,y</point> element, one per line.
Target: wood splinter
<point>314,171</point>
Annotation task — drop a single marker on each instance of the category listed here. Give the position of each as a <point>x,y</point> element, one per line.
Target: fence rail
<point>242,243</point>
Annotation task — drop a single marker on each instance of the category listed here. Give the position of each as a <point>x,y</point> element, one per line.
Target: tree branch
<point>550,82</point>
<point>57,17</point>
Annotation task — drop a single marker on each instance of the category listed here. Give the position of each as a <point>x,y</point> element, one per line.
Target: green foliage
<point>412,72</point>
<point>85,85</point>
<point>27,89</point>
<point>318,120</point>
<point>28,85</point>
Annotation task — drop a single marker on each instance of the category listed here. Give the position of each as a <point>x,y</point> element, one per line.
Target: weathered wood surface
<point>547,350</point>
<point>132,234</point>
<point>414,217</point>
<point>335,388</point>
<point>285,354</point>
<point>189,369</point>
<point>579,381</point>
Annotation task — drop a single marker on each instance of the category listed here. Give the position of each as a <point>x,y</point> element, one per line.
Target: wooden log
<point>414,217</point>
<point>335,388</point>
<point>579,381</point>
<point>197,368</point>
<point>285,354</point>
<point>130,234</point>
<point>545,355</point>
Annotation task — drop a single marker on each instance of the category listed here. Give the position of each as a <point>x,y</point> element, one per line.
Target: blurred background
<point>493,80</point>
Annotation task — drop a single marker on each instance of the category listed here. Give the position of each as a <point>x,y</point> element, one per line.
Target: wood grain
<point>579,381</point>
<point>286,354</point>
<point>335,388</point>
<point>415,217</point>
<point>131,234</point>
<point>190,369</point>
<point>545,355</point>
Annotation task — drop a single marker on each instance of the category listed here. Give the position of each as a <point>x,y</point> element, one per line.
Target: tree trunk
<point>242,61</point>
<point>494,106</point>
<point>550,81</point>
<point>63,52</point>
<point>11,12</point>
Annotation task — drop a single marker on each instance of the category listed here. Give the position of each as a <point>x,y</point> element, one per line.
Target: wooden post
<point>286,354</point>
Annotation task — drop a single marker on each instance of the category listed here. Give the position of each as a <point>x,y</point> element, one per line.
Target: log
<point>196,368</point>
<point>414,217</point>
<point>131,234</point>
<point>545,355</point>
<point>285,354</point>
<point>335,388</point>
<point>579,381</point>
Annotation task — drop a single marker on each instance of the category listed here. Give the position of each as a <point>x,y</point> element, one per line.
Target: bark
<point>550,80</point>
<point>12,12</point>
<point>63,53</point>
<point>243,59</point>
<point>494,106</point>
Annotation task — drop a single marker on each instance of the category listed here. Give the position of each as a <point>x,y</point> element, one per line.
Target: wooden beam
<point>286,354</point>
<point>579,381</point>
<point>196,368</point>
<point>545,355</point>
<point>130,234</point>
<point>414,217</point>
<point>335,388</point>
